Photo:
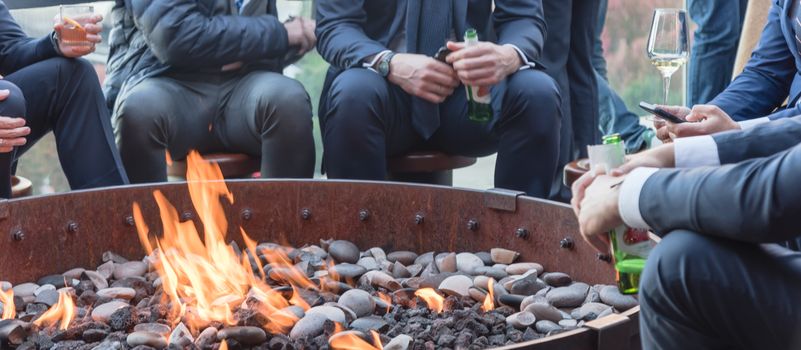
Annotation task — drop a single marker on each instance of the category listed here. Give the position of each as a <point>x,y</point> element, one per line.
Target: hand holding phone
<point>661,113</point>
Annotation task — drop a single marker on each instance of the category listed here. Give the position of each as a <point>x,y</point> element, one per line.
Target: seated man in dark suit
<point>206,75</point>
<point>385,95</point>
<point>717,280</point>
<point>45,88</point>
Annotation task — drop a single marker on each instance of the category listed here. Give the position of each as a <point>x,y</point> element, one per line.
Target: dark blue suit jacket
<point>772,74</point>
<point>17,50</point>
<point>348,31</point>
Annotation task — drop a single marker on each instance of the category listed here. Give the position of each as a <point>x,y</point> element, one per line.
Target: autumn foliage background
<point>624,37</point>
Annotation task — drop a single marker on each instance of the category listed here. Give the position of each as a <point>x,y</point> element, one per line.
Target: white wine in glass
<point>668,45</point>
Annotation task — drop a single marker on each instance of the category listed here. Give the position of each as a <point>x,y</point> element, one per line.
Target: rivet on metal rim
<point>72,227</point>
<point>566,243</point>
<point>604,257</point>
<point>18,235</point>
<point>305,214</point>
<point>129,220</point>
<point>521,233</point>
<point>472,225</point>
<point>419,218</point>
<point>364,214</point>
<point>186,216</point>
<point>246,214</point>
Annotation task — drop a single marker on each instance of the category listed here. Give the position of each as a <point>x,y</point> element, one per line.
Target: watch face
<point>383,68</point>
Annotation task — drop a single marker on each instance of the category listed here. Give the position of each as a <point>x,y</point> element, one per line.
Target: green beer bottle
<point>478,106</point>
<point>630,247</point>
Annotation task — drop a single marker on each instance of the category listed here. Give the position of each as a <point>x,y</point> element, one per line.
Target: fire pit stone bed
<point>431,300</point>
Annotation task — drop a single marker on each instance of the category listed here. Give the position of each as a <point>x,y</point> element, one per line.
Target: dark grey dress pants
<point>63,95</point>
<point>259,113</point>
<point>700,292</point>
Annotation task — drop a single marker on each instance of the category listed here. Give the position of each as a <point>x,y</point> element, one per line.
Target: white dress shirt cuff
<point>747,124</point>
<point>629,201</point>
<point>523,58</point>
<point>691,152</point>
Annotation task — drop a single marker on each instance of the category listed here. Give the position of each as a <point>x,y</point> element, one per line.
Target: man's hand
<point>423,76</point>
<point>12,130</point>
<point>662,132</point>
<point>92,28</point>
<point>663,156</point>
<point>484,64</point>
<point>704,120</point>
<point>300,34</point>
<point>595,202</point>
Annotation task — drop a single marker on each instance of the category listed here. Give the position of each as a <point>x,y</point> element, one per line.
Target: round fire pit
<point>50,234</point>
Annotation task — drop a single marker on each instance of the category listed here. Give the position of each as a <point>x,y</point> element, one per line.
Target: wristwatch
<point>383,64</point>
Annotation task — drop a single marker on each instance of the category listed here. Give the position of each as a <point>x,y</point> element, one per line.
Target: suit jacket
<point>152,37</point>
<point>17,50</point>
<point>349,31</point>
<point>772,75</point>
<point>758,188</point>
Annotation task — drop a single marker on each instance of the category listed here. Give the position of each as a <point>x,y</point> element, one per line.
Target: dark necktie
<point>239,4</point>
<point>428,24</point>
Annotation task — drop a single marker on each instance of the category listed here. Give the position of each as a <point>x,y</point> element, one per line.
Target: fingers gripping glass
<point>74,19</point>
<point>668,46</point>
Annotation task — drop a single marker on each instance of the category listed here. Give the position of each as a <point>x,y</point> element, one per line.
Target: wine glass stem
<point>666,80</point>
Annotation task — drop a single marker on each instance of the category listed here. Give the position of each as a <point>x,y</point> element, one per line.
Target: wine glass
<point>668,46</point>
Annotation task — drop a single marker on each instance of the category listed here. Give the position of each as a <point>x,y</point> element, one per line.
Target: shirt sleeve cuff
<point>747,124</point>
<point>629,200</point>
<point>526,63</point>
<point>691,152</point>
<point>371,63</point>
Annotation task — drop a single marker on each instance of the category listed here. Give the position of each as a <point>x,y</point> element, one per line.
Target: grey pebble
<point>612,296</point>
<point>344,251</point>
<point>570,296</point>
<point>146,338</point>
<point>557,279</point>
<point>546,326</point>
<point>245,335</point>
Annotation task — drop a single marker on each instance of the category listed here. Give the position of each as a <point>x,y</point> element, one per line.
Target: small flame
<point>489,300</point>
<point>169,158</point>
<point>62,313</point>
<point>351,341</point>
<point>387,299</point>
<point>224,345</point>
<point>434,301</point>
<point>9,309</point>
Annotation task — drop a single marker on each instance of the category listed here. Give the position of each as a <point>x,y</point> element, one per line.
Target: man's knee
<point>139,111</point>
<point>534,96</point>
<point>285,105</point>
<point>14,104</point>
<point>353,94</point>
<point>669,263</point>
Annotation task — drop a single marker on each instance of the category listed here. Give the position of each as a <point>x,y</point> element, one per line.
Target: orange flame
<point>350,340</point>
<point>434,301</point>
<point>9,309</point>
<point>224,345</point>
<point>489,300</point>
<point>387,299</point>
<point>205,280</point>
<point>62,313</point>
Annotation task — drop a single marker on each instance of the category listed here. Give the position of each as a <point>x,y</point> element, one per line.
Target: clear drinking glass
<point>668,45</point>
<point>74,18</point>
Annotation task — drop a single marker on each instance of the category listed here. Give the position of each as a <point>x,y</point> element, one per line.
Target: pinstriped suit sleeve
<point>760,141</point>
<point>755,201</point>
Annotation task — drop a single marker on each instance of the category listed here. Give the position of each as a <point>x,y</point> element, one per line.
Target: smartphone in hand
<point>661,113</point>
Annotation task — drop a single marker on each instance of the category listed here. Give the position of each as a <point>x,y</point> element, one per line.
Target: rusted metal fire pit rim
<point>183,183</point>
